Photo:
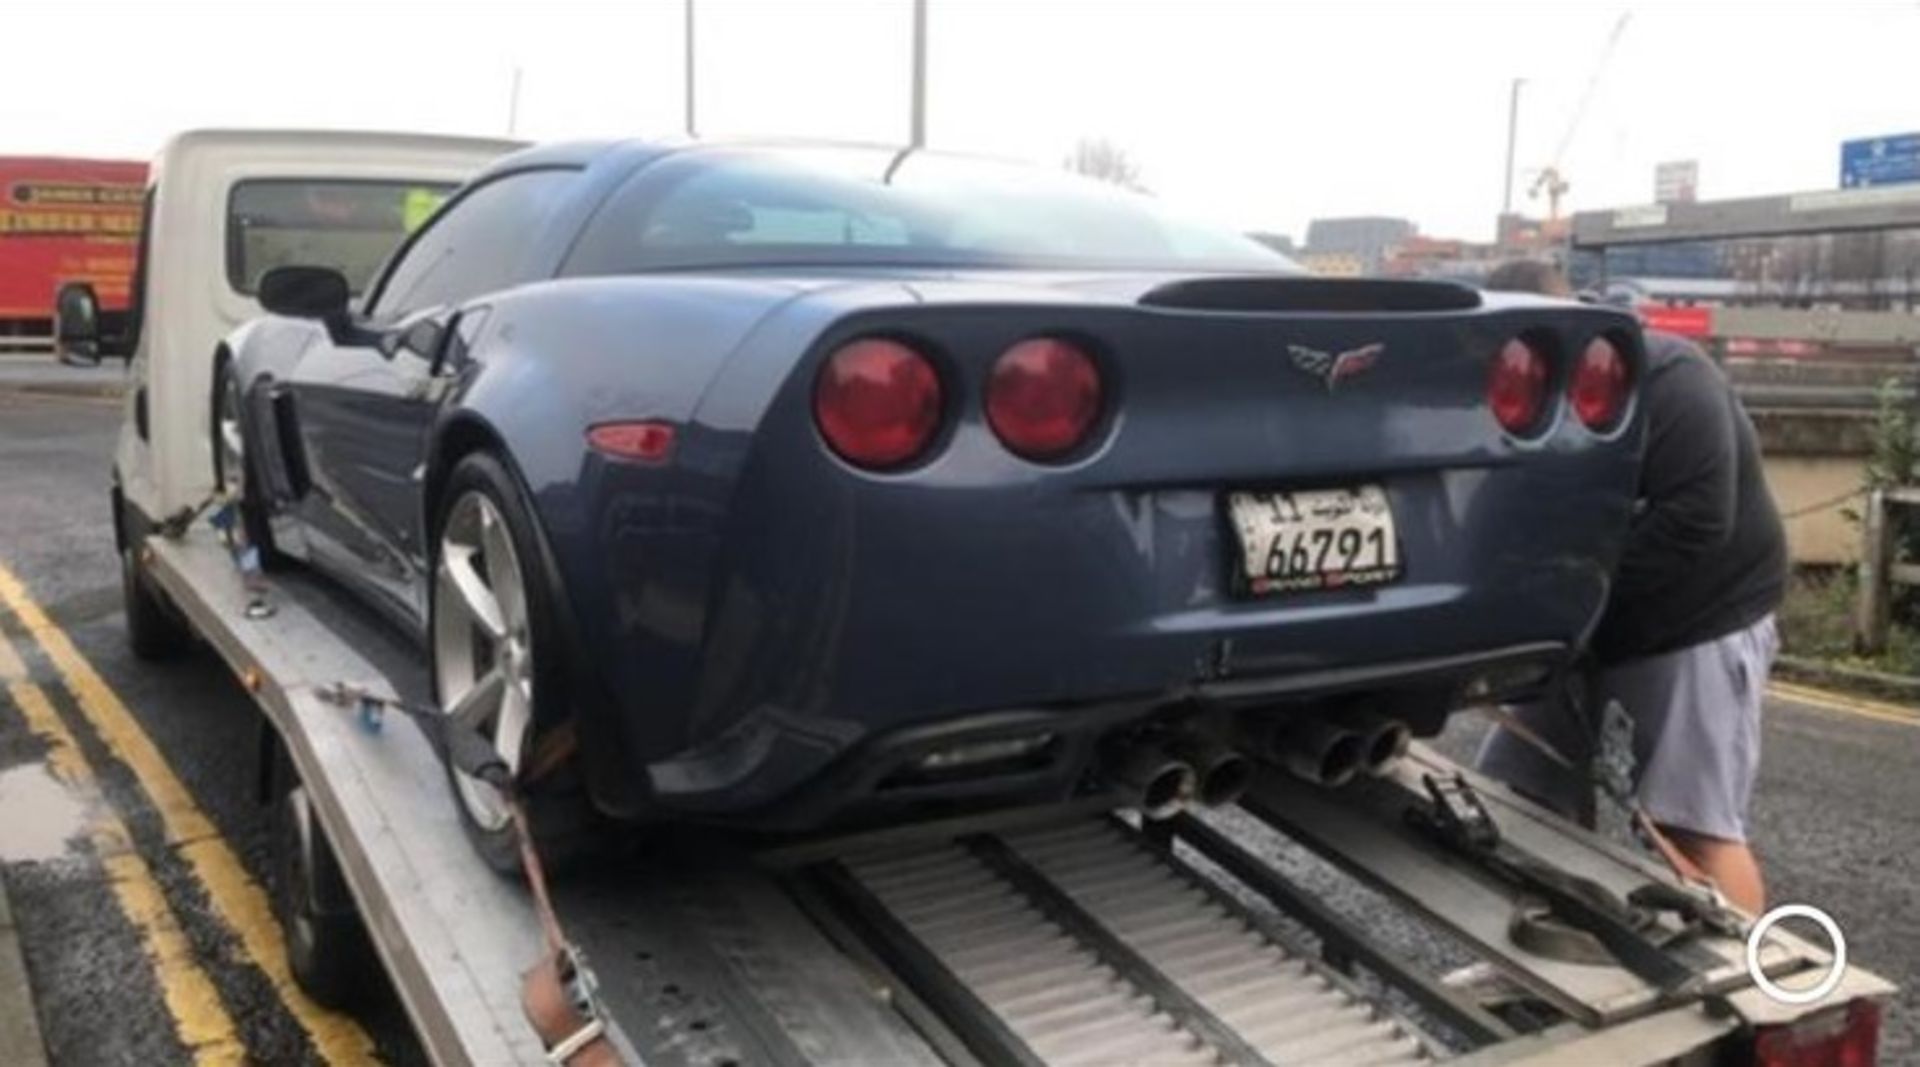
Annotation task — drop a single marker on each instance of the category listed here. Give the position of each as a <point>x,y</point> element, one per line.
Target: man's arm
<point>1690,478</point>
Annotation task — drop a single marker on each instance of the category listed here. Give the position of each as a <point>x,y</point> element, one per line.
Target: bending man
<point>1687,638</point>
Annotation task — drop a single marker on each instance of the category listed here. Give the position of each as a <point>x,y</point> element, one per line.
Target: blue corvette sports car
<point>773,485</point>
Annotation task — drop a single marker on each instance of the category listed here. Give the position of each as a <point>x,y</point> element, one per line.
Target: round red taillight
<point>877,403</point>
<point>1600,386</point>
<point>1517,388</point>
<point>1043,397</point>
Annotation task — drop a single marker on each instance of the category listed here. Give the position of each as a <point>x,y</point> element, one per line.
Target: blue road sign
<point>1880,160</point>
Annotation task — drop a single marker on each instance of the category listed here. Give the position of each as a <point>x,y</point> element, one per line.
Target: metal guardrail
<point>1829,384</point>
<point>1859,329</point>
<point>1881,568</point>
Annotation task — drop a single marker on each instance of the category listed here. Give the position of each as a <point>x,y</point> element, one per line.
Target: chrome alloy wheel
<point>231,442</point>
<point>482,648</point>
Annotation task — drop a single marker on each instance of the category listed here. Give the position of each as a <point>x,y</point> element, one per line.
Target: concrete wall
<point>1815,461</point>
<point>1803,484</point>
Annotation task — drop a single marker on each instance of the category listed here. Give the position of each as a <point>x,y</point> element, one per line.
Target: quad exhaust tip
<point>1200,767</point>
<point>1331,750</point>
<point>1161,781</point>
<point>1386,741</point>
<point>1225,781</point>
<point>1318,751</point>
<point>1221,772</point>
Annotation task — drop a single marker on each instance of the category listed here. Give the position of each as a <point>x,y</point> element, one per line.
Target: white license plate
<point>1315,539</point>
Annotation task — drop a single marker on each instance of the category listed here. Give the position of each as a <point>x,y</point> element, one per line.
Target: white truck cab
<point>222,208</point>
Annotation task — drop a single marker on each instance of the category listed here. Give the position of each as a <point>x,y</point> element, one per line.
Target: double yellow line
<point>241,906</point>
<point>1847,705</point>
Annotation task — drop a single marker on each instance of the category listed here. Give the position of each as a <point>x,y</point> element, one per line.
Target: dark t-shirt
<point>1707,555</point>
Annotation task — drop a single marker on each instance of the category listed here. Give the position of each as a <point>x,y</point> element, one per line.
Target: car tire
<point>228,437</point>
<point>328,951</point>
<point>481,490</point>
<point>155,630</point>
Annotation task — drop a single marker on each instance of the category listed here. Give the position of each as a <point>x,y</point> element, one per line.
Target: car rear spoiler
<point>1276,293</point>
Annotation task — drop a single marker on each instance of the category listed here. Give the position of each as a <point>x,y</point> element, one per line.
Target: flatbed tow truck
<point>1077,933</point>
<point>1056,936</point>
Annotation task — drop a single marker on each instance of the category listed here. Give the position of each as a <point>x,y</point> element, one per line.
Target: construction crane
<point>1550,179</point>
<point>1555,185</point>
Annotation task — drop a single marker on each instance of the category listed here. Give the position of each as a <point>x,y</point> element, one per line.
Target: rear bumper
<point>849,628</point>
<point>780,771</point>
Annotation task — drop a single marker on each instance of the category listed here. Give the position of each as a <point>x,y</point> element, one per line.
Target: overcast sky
<point>1258,114</point>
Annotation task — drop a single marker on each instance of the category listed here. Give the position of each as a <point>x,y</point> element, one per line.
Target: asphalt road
<point>102,998</point>
<point>135,956</point>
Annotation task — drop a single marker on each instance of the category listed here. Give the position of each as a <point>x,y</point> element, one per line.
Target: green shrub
<point>1816,619</point>
<point>1816,623</point>
<point>1895,459</point>
<point>1895,463</point>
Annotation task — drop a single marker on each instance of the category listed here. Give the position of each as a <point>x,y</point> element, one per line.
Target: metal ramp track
<point>1078,944</point>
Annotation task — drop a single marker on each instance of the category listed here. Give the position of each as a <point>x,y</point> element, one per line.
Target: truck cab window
<point>349,225</point>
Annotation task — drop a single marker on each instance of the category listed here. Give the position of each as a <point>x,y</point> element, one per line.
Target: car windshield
<point>835,208</point>
<point>350,226</point>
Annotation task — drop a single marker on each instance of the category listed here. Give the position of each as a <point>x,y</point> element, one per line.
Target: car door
<point>365,402</point>
<point>363,411</point>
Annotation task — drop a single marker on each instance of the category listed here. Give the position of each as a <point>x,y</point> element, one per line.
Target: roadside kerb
<point>41,375</point>
<point>20,1041</point>
<point>1899,689</point>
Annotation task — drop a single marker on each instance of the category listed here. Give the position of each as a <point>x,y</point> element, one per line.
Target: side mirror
<point>76,325</point>
<point>306,293</point>
<point>423,339</point>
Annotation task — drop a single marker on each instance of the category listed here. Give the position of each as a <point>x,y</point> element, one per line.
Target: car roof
<point>634,150</point>
<point>559,154</point>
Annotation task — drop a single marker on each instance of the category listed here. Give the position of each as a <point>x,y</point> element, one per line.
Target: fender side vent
<point>1311,294</point>
<point>293,457</point>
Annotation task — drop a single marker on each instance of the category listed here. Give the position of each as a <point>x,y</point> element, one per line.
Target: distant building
<point>1333,264</point>
<point>1366,237</point>
<point>1394,248</point>
<point>1833,250</point>
<point>1518,235</point>
<point>1421,257</point>
<point>1677,182</point>
<point>1680,259</point>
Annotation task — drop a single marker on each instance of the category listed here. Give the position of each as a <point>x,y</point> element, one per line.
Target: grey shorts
<point>1696,736</point>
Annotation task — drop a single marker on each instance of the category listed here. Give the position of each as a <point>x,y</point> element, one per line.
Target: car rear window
<point>707,209</point>
<point>350,226</point>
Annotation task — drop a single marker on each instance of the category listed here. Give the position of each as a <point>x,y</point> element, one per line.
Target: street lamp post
<point>1513,131</point>
<point>689,68</point>
<point>513,104</point>
<point>918,134</point>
